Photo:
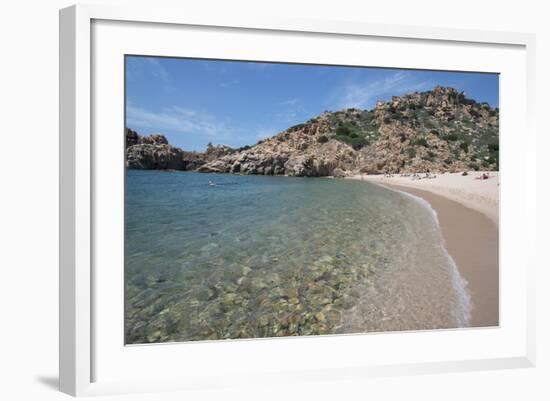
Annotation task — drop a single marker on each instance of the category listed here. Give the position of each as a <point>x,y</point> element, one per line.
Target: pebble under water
<point>211,257</point>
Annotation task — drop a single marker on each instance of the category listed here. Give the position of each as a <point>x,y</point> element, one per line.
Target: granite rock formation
<point>439,130</point>
<point>153,152</point>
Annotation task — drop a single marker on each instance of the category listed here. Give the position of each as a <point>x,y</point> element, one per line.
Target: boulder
<point>338,173</point>
<point>154,157</point>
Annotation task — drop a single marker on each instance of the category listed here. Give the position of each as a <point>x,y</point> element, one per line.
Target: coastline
<point>480,195</point>
<point>475,251</point>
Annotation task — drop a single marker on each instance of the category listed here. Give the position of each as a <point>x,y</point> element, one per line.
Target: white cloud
<point>286,115</point>
<point>180,120</point>
<point>145,66</point>
<point>291,102</point>
<point>365,94</point>
<point>158,69</point>
<point>292,109</point>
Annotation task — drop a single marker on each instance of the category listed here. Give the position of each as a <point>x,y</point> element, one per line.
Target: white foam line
<point>459,283</point>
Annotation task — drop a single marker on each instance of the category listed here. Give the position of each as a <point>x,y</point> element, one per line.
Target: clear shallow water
<point>256,256</point>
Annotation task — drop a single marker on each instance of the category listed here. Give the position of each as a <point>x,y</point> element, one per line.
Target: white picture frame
<point>80,342</point>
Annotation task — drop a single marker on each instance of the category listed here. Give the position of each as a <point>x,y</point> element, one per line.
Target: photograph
<point>273,199</point>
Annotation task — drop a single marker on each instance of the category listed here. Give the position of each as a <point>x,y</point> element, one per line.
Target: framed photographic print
<point>272,200</point>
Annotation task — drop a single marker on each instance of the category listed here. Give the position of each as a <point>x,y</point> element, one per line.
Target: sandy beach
<point>467,209</point>
<point>480,195</point>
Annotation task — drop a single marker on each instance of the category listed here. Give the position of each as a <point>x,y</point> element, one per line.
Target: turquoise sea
<point>214,256</point>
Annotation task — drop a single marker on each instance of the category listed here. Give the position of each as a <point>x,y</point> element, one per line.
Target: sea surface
<point>219,256</point>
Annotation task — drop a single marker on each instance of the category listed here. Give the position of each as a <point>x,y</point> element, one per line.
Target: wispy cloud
<point>139,68</point>
<point>291,109</point>
<point>290,102</point>
<point>287,115</point>
<point>365,94</point>
<point>229,84</point>
<point>180,120</point>
<point>158,69</point>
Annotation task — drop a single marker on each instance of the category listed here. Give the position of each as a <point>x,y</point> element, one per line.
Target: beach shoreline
<point>471,192</point>
<point>468,219</point>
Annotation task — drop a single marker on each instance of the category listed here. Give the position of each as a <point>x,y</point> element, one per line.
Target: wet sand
<point>472,240</point>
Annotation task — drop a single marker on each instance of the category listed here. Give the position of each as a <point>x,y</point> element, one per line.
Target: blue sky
<point>194,102</point>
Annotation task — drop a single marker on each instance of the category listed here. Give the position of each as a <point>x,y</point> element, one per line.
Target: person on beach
<point>483,176</point>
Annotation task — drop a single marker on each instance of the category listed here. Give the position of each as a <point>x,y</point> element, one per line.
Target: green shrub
<point>452,137</point>
<point>430,124</point>
<point>464,146</point>
<point>322,139</point>
<point>411,152</point>
<point>474,166</point>
<point>355,143</point>
<point>358,143</point>
<point>397,116</point>
<point>342,131</point>
<point>420,142</point>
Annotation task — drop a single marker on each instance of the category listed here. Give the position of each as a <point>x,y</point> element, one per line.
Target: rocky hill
<point>438,130</point>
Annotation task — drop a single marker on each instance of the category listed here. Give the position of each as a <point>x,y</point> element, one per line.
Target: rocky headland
<point>438,131</point>
<point>153,152</point>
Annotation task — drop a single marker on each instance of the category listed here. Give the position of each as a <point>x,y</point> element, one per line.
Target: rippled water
<point>254,256</point>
